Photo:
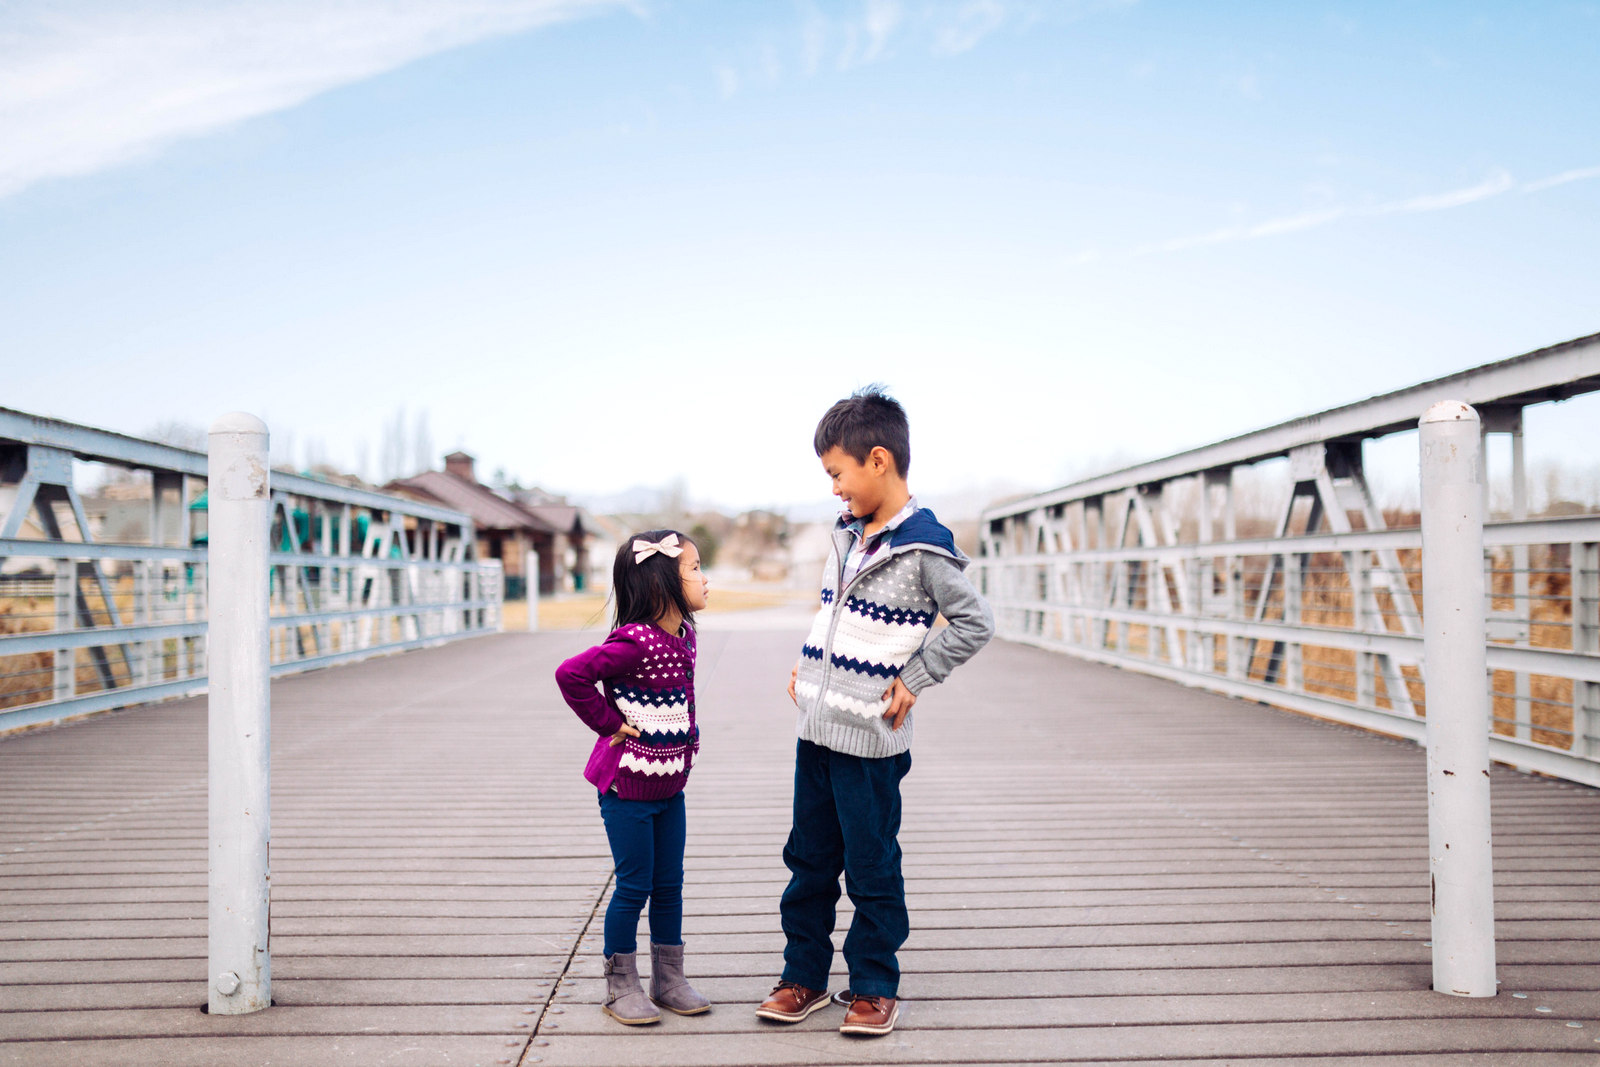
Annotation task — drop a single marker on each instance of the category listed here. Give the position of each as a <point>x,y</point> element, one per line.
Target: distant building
<point>507,529</point>
<point>576,533</point>
<point>608,532</point>
<point>808,544</point>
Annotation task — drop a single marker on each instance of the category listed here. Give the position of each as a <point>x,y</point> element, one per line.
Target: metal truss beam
<point>103,446</point>
<point>1555,373</point>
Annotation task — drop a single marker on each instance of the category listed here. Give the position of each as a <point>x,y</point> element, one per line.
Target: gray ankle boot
<point>668,987</point>
<point>625,999</point>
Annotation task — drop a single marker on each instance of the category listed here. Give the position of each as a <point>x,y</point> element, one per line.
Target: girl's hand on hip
<point>794,674</point>
<point>623,734</point>
<point>900,700</point>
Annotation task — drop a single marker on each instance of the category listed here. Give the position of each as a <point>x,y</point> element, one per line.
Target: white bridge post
<point>531,565</point>
<point>239,520</point>
<point>1456,677</point>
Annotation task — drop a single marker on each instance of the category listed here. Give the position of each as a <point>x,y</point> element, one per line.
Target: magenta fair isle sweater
<point>648,678</point>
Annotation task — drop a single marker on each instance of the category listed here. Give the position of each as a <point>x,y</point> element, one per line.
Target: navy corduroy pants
<point>846,819</point>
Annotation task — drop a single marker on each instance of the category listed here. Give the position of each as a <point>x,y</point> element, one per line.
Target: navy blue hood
<point>924,528</point>
<point>921,528</point>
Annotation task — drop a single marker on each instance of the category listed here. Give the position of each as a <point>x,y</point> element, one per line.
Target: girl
<point>648,740</point>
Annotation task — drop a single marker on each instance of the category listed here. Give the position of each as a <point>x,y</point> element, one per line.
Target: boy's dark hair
<point>864,420</point>
<point>645,591</point>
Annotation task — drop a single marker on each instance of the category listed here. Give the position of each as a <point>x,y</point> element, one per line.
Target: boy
<point>892,570</point>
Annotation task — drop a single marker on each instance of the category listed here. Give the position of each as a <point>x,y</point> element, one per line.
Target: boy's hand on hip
<point>794,674</point>
<point>623,734</point>
<point>900,700</point>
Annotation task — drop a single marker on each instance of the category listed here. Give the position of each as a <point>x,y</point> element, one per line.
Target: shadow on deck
<point>1101,867</point>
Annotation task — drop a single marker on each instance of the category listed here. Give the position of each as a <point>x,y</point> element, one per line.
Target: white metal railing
<point>87,625</point>
<point>1328,624</point>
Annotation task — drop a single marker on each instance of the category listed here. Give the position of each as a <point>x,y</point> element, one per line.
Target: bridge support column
<point>1456,677</point>
<point>239,516</point>
<point>531,570</point>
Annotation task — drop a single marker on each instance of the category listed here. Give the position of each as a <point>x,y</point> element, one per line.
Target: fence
<point>1325,615</point>
<point>87,625</point>
<point>1330,624</point>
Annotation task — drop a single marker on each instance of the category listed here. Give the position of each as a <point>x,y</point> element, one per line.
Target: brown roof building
<point>506,529</point>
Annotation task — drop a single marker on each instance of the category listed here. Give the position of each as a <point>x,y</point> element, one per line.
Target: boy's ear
<point>880,460</point>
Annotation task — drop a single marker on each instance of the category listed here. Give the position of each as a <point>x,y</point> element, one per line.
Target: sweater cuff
<point>914,676</point>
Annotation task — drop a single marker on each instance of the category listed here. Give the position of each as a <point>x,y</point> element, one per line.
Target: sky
<point>603,245</point>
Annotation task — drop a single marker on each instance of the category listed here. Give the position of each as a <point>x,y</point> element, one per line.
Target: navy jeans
<point>846,818</point>
<point>647,848</point>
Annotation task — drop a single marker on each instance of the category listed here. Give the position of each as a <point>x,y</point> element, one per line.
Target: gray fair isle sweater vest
<point>878,628</point>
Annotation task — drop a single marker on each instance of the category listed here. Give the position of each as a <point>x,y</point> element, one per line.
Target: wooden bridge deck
<point>1102,867</point>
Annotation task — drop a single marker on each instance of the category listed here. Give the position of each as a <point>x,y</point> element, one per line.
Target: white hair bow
<point>667,546</point>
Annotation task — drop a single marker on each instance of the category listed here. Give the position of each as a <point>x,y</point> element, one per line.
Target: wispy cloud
<point>814,32</point>
<point>88,86</point>
<point>959,29</point>
<point>1495,184</point>
<point>1579,175</point>
<point>881,20</point>
<point>1228,234</point>
<point>865,33</point>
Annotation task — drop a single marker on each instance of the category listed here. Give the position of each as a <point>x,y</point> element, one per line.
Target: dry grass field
<point>28,678</point>
<point>1326,600</point>
<point>22,677</point>
<point>1549,607</point>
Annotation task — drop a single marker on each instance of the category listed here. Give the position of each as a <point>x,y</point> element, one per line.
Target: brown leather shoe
<point>789,1003</point>
<point>871,1016</point>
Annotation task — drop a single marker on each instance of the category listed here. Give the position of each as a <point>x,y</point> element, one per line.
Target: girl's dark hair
<point>646,591</point>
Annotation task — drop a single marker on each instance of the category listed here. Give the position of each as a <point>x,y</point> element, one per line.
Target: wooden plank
<point>363,968</point>
<point>419,1020</point>
<point>1216,906</point>
<point>736,995</point>
<point>976,1013</point>
<point>346,1050</point>
<point>816,1041</point>
<point>285,992</point>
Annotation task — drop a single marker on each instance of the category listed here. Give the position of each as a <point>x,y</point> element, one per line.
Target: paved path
<point>1101,867</point>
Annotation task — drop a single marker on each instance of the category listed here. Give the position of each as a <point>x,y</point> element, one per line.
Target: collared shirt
<point>865,546</point>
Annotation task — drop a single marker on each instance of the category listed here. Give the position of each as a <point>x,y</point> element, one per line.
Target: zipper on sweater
<point>833,624</point>
<point>839,598</point>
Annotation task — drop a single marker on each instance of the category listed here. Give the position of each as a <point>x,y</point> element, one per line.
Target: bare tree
<point>316,453</point>
<point>406,447</point>
<point>675,499</point>
<point>392,451</point>
<point>179,434</point>
<point>422,443</point>
<point>282,446</point>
